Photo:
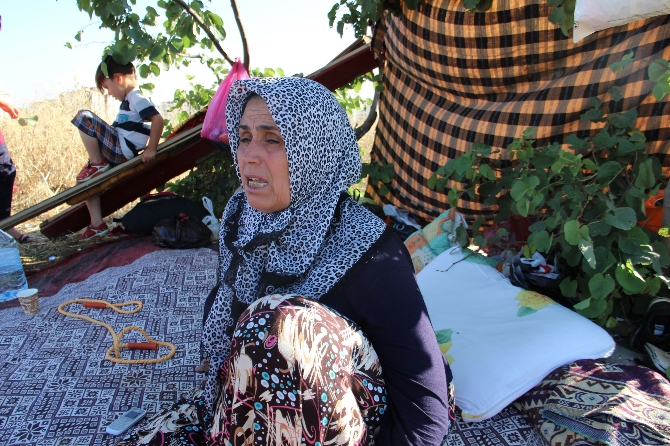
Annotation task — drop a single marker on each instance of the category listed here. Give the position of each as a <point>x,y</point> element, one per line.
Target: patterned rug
<point>57,388</point>
<point>508,428</point>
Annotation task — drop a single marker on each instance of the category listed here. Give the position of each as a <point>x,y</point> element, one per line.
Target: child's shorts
<point>108,139</point>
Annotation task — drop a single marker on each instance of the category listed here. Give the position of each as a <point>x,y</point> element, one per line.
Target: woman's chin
<point>265,206</point>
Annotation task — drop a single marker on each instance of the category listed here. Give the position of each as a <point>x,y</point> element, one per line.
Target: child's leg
<point>100,139</point>
<point>94,210</point>
<point>92,147</point>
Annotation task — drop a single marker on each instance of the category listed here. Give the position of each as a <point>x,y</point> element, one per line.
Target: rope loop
<point>114,352</point>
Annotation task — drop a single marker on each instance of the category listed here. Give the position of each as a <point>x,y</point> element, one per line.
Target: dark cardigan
<point>380,294</point>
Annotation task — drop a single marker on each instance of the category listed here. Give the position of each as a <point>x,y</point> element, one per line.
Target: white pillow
<point>499,339</point>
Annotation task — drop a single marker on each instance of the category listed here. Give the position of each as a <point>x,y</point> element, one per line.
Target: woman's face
<point>261,157</point>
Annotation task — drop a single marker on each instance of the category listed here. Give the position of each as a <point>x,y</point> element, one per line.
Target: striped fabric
<point>452,78</point>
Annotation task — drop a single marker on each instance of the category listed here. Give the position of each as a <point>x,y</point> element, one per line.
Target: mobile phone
<point>125,421</point>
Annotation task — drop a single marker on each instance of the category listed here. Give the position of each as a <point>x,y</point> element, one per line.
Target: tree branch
<point>243,35</point>
<point>205,28</point>
<point>371,118</point>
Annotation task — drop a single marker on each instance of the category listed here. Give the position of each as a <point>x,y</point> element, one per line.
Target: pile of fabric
<point>452,78</point>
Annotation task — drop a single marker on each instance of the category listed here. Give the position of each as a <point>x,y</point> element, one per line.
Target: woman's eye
<point>245,139</point>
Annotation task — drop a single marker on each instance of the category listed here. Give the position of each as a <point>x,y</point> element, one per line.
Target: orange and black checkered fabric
<point>453,78</point>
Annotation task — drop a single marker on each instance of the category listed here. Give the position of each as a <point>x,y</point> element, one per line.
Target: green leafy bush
<point>585,203</point>
<point>215,178</point>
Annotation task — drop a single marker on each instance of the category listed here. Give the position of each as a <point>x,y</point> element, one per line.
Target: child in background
<point>7,175</point>
<point>108,146</point>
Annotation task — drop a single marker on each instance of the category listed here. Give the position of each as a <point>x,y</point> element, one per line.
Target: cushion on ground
<point>500,340</point>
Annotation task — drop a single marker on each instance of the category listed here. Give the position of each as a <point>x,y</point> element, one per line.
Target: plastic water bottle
<point>12,277</point>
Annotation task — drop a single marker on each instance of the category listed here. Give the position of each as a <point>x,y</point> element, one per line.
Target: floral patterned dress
<point>299,374</point>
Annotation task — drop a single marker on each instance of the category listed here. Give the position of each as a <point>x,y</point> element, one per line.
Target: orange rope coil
<point>114,352</point>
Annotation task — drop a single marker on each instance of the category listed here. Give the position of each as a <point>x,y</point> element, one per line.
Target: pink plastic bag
<point>214,127</point>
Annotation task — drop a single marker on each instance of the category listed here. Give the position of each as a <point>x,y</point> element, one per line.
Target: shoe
<point>655,327</point>
<point>658,358</point>
<point>94,231</point>
<point>92,170</point>
<point>23,238</point>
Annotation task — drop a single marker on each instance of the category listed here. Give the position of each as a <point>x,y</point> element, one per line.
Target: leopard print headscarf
<point>306,248</point>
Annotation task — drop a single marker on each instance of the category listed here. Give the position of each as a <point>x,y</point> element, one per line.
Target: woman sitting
<point>340,350</point>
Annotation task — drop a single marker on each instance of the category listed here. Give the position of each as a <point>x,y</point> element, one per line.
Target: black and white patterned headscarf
<point>308,247</point>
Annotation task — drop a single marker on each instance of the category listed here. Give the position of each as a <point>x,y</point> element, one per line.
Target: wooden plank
<point>117,193</point>
<point>77,217</point>
<point>177,143</point>
<point>341,71</point>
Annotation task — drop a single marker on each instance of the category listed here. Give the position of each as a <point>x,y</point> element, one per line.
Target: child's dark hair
<point>113,68</point>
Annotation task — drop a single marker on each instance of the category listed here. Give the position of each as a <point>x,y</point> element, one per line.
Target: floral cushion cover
<point>499,339</point>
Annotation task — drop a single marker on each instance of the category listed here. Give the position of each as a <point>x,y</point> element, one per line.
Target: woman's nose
<point>250,153</point>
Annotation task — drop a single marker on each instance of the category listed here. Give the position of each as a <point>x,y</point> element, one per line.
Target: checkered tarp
<point>452,78</point>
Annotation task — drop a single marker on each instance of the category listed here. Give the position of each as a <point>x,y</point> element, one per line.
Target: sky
<point>35,64</point>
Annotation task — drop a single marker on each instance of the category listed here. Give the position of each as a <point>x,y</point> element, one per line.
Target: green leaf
<point>586,247</point>
<point>453,197</point>
<point>147,89</point>
<point>629,278</point>
<point>659,91</point>
<point>28,121</point>
<point>657,69</point>
<point>591,308</point>
<point>157,53</point>
<point>69,45</point>
<point>608,172</point>
<point>461,165</point>
<point>572,255</point>
<point>519,189</point>
<point>601,286</point>
<point>593,115</point>
<point>571,231</point>
<point>541,240</point>
<point>568,287</point>
<point>143,71</point>
<point>662,251</point>
<point>615,92</point>
<point>631,240</point>
<point>444,336</point>
<point>625,60</point>
<point>594,102</point>
<point>538,226</point>
<point>599,228</point>
<point>645,176</point>
<point>487,172</point>
<point>621,218</point>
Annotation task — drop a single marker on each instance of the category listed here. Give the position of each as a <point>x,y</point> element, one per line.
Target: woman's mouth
<point>256,183</point>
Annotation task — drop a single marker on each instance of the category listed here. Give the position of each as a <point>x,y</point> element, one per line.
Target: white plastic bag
<point>211,221</point>
<point>596,15</point>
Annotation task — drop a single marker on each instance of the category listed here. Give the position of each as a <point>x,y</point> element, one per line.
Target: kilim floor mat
<point>57,388</point>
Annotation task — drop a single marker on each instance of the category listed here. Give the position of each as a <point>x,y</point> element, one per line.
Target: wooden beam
<point>340,72</point>
<point>179,142</point>
<point>118,196</point>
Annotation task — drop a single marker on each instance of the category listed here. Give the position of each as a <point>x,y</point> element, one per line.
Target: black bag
<point>147,213</point>
<point>181,232</point>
